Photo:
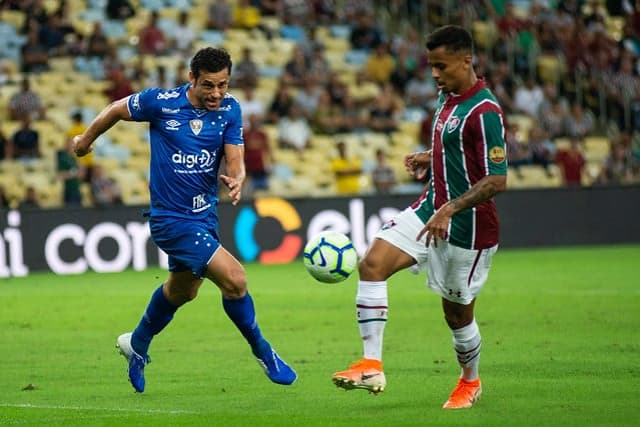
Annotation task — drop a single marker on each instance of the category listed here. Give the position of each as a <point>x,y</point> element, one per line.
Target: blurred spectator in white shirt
<point>294,131</point>
<point>528,98</point>
<point>184,35</point>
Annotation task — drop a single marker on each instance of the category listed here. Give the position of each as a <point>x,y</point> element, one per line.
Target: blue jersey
<point>187,144</point>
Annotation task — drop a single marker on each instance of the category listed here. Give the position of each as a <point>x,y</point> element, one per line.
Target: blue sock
<point>158,314</point>
<point>242,312</point>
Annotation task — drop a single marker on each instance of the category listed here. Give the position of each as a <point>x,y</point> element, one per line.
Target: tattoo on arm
<point>479,193</point>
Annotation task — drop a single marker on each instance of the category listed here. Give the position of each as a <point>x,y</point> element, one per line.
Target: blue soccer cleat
<point>275,368</point>
<point>136,361</point>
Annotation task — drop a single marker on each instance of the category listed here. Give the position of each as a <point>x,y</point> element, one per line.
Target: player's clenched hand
<point>417,164</point>
<point>235,188</point>
<point>80,147</point>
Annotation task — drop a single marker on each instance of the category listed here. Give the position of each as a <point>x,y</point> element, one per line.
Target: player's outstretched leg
<point>242,312</point>
<point>365,374</point>
<point>134,346</point>
<point>136,361</point>
<point>276,369</point>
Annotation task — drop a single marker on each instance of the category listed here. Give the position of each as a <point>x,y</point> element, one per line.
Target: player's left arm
<point>235,172</point>
<point>494,182</point>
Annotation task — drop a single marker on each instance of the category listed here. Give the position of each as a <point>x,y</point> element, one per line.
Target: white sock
<point>467,343</point>
<point>371,307</point>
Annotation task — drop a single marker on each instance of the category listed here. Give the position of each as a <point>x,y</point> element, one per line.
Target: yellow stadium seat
<point>138,163</point>
<point>615,26</point>
<point>62,64</point>
<point>551,68</point>
<point>534,176</point>
<point>596,148</point>
<point>13,17</point>
<point>484,34</point>
<point>50,196</point>
<point>271,22</point>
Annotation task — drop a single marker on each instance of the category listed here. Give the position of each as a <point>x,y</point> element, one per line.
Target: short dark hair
<point>210,59</point>
<point>453,37</point>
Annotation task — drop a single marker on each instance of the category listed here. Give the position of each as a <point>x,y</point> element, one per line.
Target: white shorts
<point>458,274</point>
<point>401,232</point>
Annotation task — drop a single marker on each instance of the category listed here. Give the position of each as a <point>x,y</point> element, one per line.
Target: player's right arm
<point>109,116</point>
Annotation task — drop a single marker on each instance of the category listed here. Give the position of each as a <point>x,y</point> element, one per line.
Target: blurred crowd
<point>564,71</point>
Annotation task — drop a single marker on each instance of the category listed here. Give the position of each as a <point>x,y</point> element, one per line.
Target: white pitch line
<point>95,408</point>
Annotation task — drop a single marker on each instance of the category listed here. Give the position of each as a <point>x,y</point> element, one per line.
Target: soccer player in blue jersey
<point>192,128</point>
<point>452,228</point>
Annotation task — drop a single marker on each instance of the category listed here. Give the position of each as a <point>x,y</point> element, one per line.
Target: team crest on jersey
<point>496,154</point>
<point>453,124</point>
<point>195,125</point>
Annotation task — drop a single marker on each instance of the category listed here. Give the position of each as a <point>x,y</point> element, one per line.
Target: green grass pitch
<point>560,328</point>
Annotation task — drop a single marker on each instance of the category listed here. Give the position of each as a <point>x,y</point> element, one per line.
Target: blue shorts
<point>190,244</point>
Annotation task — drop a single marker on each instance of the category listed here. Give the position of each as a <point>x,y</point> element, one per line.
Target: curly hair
<point>210,59</point>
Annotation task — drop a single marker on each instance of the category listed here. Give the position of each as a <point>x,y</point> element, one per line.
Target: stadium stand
<point>74,81</point>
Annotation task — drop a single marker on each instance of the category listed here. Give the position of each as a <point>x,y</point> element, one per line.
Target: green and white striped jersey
<point>468,139</point>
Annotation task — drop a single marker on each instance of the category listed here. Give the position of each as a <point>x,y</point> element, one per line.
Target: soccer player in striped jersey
<point>452,228</point>
<point>191,128</point>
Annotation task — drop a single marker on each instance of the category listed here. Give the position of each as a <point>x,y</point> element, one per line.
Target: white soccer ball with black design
<point>330,257</point>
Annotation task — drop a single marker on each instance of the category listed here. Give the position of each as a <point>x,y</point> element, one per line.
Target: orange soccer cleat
<point>365,374</point>
<point>464,395</point>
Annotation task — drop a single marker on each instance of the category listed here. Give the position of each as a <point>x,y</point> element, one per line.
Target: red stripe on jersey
<point>473,268</point>
<point>421,198</point>
<point>474,143</point>
<point>441,195</point>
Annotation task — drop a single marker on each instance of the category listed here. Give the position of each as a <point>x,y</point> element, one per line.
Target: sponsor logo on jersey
<point>136,102</point>
<point>224,108</point>
<point>439,125</point>
<point>172,125</point>
<point>195,125</point>
<point>168,95</point>
<point>496,154</point>
<point>452,124</point>
<point>201,160</point>
<point>200,204</point>
<point>170,110</point>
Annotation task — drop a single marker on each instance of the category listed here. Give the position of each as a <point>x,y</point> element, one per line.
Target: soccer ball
<point>330,257</point>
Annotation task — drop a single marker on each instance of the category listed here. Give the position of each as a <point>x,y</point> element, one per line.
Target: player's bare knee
<point>236,284</point>
<point>368,268</point>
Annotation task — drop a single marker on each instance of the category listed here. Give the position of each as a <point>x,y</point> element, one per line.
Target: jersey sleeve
<point>492,128</point>
<point>142,105</point>
<point>233,132</point>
